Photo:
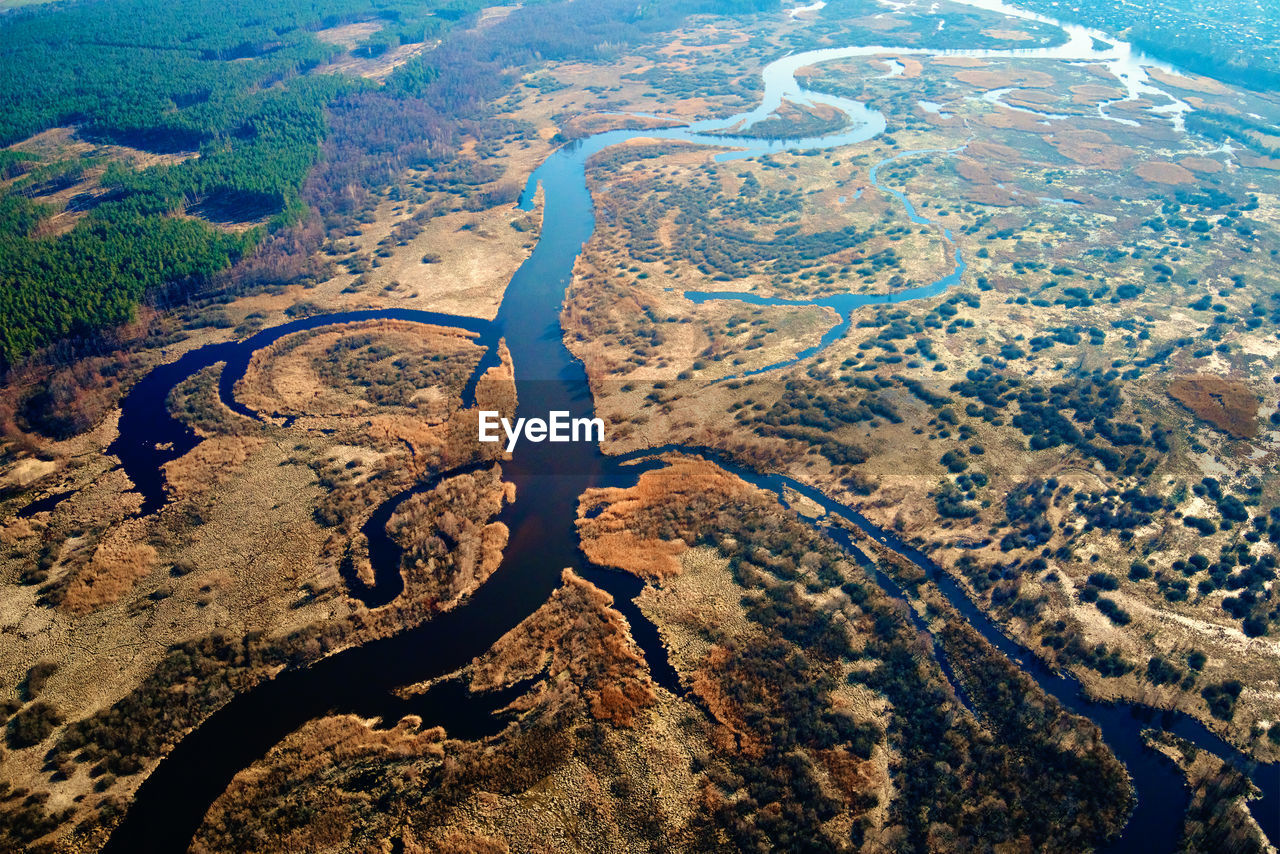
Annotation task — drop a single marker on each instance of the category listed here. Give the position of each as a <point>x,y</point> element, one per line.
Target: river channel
<point>171,803</point>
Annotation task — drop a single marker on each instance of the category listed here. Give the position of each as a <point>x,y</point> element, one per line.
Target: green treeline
<point>160,77</point>
<point>172,74</point>
<point>96,274</point>
<point>1220,126</point>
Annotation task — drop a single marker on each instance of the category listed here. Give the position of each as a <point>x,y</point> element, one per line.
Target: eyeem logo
<point>559,428</point>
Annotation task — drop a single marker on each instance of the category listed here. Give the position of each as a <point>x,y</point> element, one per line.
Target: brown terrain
<point>1228,405</point>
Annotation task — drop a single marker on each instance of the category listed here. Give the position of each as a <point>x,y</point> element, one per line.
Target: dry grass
<point>484,250</point>
<point>118,563</point>
<point>1190,83</point>
<point>212,462</point>
<point>63,144</point>
<point>609,538</point>
<point>1226,404</point>
<point>349,36</point>
<point>283,379</point>
<point>577,634</point>
<point>374,68</point>
<point>1161,172</point>
<point>1091,148</point>
<point>1203,165</point>
<point>317,747</point>
<point>1001,78</point>
<point>1006,35</point>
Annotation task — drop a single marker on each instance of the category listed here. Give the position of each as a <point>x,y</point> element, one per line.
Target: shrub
<point>1114,612</point>
<point>32,725</point>
<point>1222,698</point>
<point>1104,581</point>
<point>1161,672</point>
<point>37,677</point>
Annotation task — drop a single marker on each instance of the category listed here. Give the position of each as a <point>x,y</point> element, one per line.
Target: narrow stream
<point>173,800</point>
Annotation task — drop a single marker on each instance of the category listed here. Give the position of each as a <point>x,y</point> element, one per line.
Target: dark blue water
<point>41,505</point>
<point>549,478</point>
<point>149,434</point>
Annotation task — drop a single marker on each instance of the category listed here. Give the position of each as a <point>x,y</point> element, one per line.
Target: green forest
<point>234,87</point>
<point>164,77</point>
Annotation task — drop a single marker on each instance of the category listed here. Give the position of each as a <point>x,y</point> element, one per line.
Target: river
<point>172,801</point>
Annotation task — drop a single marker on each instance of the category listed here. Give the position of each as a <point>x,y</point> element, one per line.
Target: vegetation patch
<point>1230,406</point>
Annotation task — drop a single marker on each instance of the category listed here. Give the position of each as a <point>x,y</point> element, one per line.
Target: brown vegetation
<point>1000,78</point>
<point>449,550</point>
<point>1091,148</point>
<point>1218,818</point>
<point>313,752</point>
<point>582,646</point>
<point>1191,83</point>
<point>1226,404</point>
<point>209,463</point>
<point>347,368</point>
<point>118,562</point>
<point>1204,165</point>
<point>1165,173</point>
<point>611,537</point>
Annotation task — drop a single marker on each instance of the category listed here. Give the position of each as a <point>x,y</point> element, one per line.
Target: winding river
<point>171,803</point>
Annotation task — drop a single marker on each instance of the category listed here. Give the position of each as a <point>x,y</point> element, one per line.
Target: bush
<point>1114,612</point>
<point>36,679</point>
<point>1104,581</point>
<point>32,725</point>
<point>1161,672</point>
<point>1222,698</point>
<point>1255,626</point>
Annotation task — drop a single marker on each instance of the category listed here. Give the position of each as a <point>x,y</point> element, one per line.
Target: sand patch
<point>373,68</point>
<point>27,471</point>
<point>349,36</point>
